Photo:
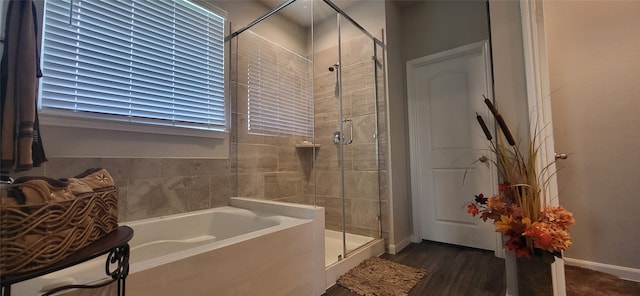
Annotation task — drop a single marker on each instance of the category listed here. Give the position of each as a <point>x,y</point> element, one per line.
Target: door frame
<point>412,103</point>
<point>539,103</point>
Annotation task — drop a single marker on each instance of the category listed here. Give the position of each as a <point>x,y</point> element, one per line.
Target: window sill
<point>49,118</point>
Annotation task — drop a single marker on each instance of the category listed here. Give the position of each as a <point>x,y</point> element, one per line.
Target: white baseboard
<point>396,248</point>
<point>626,273</point>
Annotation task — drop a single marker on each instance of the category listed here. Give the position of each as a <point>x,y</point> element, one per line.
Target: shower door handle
<point>340,138</point>
<point>350,121</point>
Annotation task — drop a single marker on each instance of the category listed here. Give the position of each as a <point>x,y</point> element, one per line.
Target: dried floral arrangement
<point>519,211</point>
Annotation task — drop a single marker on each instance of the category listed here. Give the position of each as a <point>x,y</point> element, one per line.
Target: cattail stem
<point>492,108</point>
<point>505,130</point>
<point>484,127</point>
<point>500,121</point>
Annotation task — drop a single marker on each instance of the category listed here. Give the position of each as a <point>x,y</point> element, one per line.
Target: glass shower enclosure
<point>308,118</point>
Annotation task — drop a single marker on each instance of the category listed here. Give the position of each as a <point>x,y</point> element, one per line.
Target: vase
<point>534,275</point>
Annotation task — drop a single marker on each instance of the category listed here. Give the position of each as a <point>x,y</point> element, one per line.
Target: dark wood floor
<point>632,287</point>
<point>452,270</point>
<point>455,270</point>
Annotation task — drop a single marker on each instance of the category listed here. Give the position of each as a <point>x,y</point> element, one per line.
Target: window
<point>158,63</point>
<point>280,88</point>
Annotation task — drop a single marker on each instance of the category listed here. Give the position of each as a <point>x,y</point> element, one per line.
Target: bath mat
<point>380,277</point>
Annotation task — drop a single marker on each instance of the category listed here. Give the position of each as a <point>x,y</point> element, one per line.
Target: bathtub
<point>252,247</point>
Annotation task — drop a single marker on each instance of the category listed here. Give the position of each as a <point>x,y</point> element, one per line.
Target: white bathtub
<point>253,247</point>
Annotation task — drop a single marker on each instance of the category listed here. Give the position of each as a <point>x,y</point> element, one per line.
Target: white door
<point>445,94</point>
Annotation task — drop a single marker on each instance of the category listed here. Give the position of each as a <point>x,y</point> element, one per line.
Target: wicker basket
<point>35,236</point>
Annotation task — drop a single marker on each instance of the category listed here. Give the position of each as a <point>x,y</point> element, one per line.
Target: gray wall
<point>593,51</point>
<point>429,27</point>
<point>508,66</point>
<point>401,217</point>
<point>417,29</point>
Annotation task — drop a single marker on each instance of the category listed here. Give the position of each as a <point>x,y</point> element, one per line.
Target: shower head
<point>334,67</point>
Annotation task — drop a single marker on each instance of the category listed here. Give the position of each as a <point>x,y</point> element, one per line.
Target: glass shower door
<point>347,178</point>
<point>358,149</point>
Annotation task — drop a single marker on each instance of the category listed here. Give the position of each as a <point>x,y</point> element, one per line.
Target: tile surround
<point>279,186</point>
<point>359,159</point>
<point>151,187</point>
<point>265,166</point>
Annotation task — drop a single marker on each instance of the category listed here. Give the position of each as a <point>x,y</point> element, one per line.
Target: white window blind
<point>280,88</point>
<point>153,62</point>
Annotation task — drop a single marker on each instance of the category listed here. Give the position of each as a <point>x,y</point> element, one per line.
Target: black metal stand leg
<point>6,290</point>
<point>120,258</point>
<point>121,287</point>
<point>113,244</point>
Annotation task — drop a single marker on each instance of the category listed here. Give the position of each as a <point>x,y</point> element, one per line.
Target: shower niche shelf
<point>307,145</point>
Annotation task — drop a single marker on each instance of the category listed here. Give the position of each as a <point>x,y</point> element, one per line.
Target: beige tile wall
<point>272,168</point>
<point>363,185</point>
<point>265,166</point>
<point>151,187</point>
<point>268,167</point>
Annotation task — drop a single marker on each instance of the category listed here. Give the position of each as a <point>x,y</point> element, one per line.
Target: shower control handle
<point>337,137</point>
